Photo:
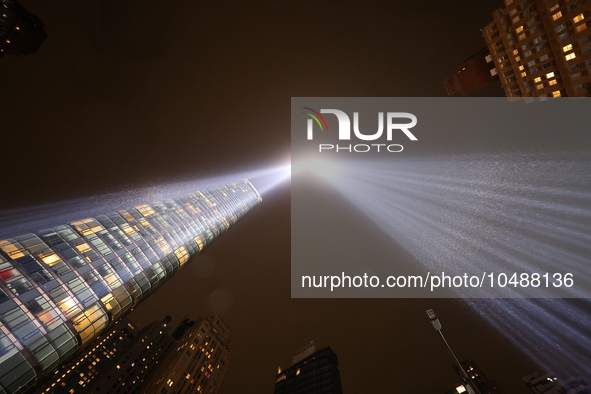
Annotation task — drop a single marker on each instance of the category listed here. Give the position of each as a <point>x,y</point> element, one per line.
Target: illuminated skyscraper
<point>63,286</point>
<point>313,372</point>
<point>199,362</point>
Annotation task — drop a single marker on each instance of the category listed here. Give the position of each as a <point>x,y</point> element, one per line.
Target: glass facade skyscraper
<point>61,287</point>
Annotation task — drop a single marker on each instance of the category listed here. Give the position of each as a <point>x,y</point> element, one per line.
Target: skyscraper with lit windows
<point>199,362</point>
<point>313,371</point>
<point>542,48</point>
<point>119,361</point>
<point>61,287</point>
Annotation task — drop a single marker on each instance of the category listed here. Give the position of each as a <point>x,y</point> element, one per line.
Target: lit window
<point>540,86</point>
<point>50,259</point>
<point>145,210</point>
<point>521,67</point>
<point>550,75</point>
<point>515,51</point>
<point>298,371</point>
<point>581,27</point>
<point>578,18</point>
<point>567,48</point>
<point>556,93</point>
<point>554,7</point>
<point>557,15</point>
<point>552,82</point>
<point>524,74</point>
<point>538,79</point>
<point>517,58</point>
<point>520,29</point>
<point>83,248</point>
<point>570,56</point>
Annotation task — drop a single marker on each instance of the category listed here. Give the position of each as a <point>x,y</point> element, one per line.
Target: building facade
<point>475,73</point>
<point>542,48</point>
<point>119,361</point>
<point>313,372</point>
<point>199,362</point>
<point>62,287</point>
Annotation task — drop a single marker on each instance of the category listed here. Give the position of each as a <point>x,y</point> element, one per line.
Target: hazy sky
<point>139,93</point>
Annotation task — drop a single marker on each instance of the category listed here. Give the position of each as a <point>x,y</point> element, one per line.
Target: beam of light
<point>27,219</point>
<point>490,213</point>
<point>554,333</point>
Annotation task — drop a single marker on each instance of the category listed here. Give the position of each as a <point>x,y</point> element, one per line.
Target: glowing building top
<point>61,287</point>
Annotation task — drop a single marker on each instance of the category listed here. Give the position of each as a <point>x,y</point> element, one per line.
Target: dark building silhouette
<point>550,383</point>
<point>475,73</point>
<point>21,33</point>
<point>313,372</point>
<point>478,378</point>
<point>62,287</point>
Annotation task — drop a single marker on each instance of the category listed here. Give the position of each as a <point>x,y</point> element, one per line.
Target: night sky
<point>124,95</point>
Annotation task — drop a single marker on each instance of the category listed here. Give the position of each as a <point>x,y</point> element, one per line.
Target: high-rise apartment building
<point>199,362</point>
<point>542,48</point>
<point>21,33</point>
<point>62,287</point>
<point>313,372</point>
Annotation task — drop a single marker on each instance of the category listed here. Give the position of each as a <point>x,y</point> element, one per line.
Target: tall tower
<point>313,372</point>
<point>199,362</point>
<point>542,48</point>
<point>61,287</point>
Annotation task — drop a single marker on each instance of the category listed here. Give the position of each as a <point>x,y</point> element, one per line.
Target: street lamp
<point>470,388</point>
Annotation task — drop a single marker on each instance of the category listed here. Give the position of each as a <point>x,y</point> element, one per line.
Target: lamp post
<point>470,388</point>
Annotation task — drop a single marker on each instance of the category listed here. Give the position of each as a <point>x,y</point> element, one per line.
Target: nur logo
<point>345,124</point>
